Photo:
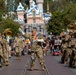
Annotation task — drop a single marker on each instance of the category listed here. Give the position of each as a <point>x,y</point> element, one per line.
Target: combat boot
<point>65,62</point>
<point>31,68</point>
<point>6,63</point>
<point>42,68</point>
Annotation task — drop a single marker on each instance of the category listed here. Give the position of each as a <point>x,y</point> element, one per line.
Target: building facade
<point>32,17</point>
<point>20,13</point>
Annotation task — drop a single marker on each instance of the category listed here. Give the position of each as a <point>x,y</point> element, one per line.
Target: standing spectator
<point>52,44</point>
<point>57,43</point>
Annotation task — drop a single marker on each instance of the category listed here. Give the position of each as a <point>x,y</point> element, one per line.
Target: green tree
<point>2,8</point>
<point>13,25</point>
<point>55,25</point>
<point>7,23</point>
<point>61,19</point>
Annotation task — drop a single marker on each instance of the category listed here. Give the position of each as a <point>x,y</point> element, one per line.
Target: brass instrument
<point>8,33</point>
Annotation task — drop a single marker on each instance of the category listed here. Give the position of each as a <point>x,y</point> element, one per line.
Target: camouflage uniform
<point>65,54</point>
<point>36,51</point>
<point>72,62</point>
<point>65,49</point>
<point>18,45</point>
<point>5,51</point>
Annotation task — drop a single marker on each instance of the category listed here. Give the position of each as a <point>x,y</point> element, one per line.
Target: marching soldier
<point>36,50</point>
<point>5,51</point>
<point>72,62</point>
<point>65,48</point>
<point>65,54</point>
<point>18,42</point>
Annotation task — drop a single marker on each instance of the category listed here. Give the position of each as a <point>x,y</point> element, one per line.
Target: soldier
<point>18,42</point>
<point>72,62</point>
<point>5,50</point>
<point>65,49</point>
<point>65,54</point>
<point>36,50</point>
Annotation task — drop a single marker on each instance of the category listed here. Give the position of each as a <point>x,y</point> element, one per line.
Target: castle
<point>33,17</point>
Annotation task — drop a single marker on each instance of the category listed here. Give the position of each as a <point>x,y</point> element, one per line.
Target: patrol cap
<point>18,34</point>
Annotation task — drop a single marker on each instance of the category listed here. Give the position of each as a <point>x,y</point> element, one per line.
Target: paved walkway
<point>17,67</point>
<point>56,68</point>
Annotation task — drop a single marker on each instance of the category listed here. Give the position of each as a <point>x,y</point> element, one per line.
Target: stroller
<point>56,51</point>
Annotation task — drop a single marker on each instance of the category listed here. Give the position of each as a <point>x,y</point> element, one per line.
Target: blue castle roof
<point>20,7</point>
<point>33,7</point>
<point>47,16</point>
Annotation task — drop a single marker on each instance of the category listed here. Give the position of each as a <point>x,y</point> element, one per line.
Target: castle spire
<point>40,5</point>
<point>30,1</point>
<point>20,7</point>
<point>47,6</point>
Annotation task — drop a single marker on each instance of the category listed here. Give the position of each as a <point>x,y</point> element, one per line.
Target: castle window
<point>34,20</point>
<point>34,13</point>
<point>20,7</point>
<point>40,29</point>
<point>29,29</point>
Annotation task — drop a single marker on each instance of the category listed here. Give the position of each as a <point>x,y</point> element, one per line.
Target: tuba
<point>8,33</point>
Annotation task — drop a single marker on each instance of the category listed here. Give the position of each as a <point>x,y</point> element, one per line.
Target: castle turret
<point>20,13</point>
<point>40,5</point>
<point>30,1</point>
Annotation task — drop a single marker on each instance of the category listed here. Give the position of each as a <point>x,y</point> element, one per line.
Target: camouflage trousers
<point>65,55</point>
<point>39,54</point>
<point>5,55</point>
<point>1,57</point>
<point>18,51</point>
<point>72,62</point>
